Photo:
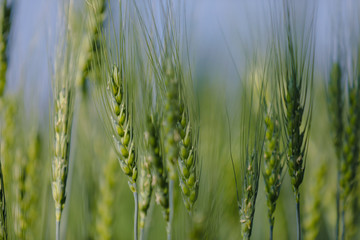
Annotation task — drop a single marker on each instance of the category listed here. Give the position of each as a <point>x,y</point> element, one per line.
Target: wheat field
<point>139,119</point>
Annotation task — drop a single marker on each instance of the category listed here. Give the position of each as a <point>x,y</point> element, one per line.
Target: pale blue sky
<point>210,23</point>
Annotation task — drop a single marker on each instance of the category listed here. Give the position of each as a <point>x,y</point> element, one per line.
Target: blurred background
<point>222,34</point>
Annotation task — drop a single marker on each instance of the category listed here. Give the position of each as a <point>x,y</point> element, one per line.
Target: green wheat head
<point>62,136</point>
<point>350,160</point>
<point>154,155</point>
<point>336,101</point>
<point>5,25</point>
<point>252,141</point>
<point>92,41</point>
<point>273,164</point>
<point>188,175</point>
<point>295,65</point>
<point>122,126</point>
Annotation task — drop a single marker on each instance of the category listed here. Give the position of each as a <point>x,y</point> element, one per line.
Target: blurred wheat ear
<point>105,204</point>
<point>251,150</point>
<point>335,99</point>
<point>273,164</point>
<point>295,67</point>
<point>91,41</point>
<point>154,155</point>
<point>350,160</point>
<point>5,24</point>
<point>313,209</point>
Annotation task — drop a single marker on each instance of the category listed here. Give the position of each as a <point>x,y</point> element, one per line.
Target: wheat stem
<point>57,230</point>
<point>298,220</point>
<point>337,206</point>
<point>136,214</point>
<point>3,230</point>
<point>142,233</point>
<point>171,206</point>
<point>343,224</point>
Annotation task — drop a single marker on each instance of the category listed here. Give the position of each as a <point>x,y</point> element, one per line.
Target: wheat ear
<point>171,131</point>
<point>350,160</point>
<point>63,108</point>
<point>106,202</point>
<point>5,25</point>
<point>4,35</point>
<point>273,165</point>
<point>335,107</point>
<point>188,176</point>
<point>31,195</point>
<point>313,209</point>
<point>123,134</point>
<point>91,42</point>
<point>250,190</point>
<point>19,192</point>
<point>159,174</point>
<point>296,62</point>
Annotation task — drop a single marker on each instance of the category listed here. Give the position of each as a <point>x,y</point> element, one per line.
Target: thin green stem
<point>271,231</point>
<point>171,206</point>
<point>298,221</point>
<point>57,230</point>
<point>142,233</point>
<point>337,207</point>
<point>343,224</point>
<point>136,201</point>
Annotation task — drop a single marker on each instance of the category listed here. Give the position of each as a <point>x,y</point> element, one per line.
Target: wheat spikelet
<point>273,165</point>
<point>189,181</point>
<point>122,127</point>
<point>145,190</point>
<point>154,156</point>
